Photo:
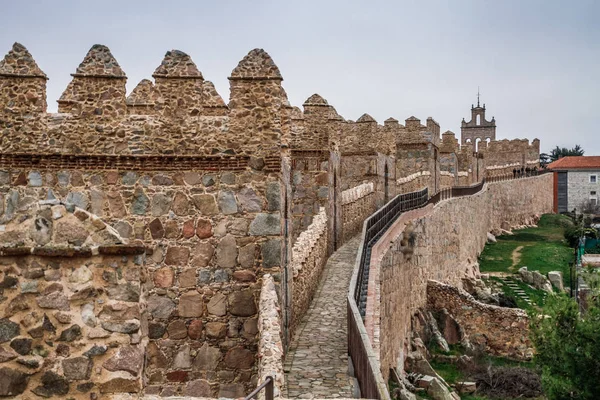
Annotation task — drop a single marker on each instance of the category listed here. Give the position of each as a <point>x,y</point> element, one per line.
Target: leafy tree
<point>544,160</point>
<point>560,152</point>
<point>567,350</point>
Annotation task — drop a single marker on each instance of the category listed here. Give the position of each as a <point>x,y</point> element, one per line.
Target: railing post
<point>269,389</point>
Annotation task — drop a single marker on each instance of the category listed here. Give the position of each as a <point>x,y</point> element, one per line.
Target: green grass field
<point>543,249</point>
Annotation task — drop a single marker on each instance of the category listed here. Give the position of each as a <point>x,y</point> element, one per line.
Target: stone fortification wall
<point>502,156</point>
<point>447,179</point>
<point>358,204</point>
<point>417,152</point>
<point>447,239</point>
<point>499,330</point>
<point>310,191</point>
<point>200,183</point>
<point>366,135</point>
<point>212,234</point>
<point>73,321</point>
<point>357,168</point>
<point>309,256</point>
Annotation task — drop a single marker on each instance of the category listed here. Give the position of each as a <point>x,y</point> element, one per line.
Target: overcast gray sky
<point>536,61</point>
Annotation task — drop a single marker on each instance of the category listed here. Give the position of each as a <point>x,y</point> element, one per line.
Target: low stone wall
<point>309,256</point>
<point>463,178</point>
<point>270,347</point>
<point>413,183</point>
<point>499,330</point>
<point>443,243</point>
<point>447,179</point>
<point>358,203</point>
<point>501,170</point>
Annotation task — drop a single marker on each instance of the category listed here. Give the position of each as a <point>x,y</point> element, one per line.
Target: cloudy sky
<point>536,61</point>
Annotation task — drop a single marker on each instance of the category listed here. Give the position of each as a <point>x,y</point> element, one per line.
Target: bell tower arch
<point>478,127</point>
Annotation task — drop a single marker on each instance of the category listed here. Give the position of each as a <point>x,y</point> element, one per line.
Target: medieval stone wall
<point>309,256</point>
<point>447,241</point>
<point>73,321</point>
<point>216,192</point>
<point>310,191</point>
<point>498,330</point>
<point>270,346</point>
<point>201,183</point>
<point>213,235</point>
<point>358,204</point>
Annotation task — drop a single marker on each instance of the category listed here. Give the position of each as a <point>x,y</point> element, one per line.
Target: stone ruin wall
<point>448,239</point>
<point>499,330</point>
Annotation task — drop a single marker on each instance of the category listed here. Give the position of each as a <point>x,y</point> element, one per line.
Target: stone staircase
<point>511,283</point>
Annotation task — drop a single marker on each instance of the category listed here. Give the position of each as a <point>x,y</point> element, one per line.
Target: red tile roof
<point>576,162</point>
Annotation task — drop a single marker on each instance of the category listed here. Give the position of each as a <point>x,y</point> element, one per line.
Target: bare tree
<point>590,207</point>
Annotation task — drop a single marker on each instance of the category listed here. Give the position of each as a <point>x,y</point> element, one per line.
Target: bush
<point>554,220</point>
<point>567,350</point>
<point>573,234</point>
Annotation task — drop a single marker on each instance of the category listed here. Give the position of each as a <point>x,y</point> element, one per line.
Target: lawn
<point>542,248</point>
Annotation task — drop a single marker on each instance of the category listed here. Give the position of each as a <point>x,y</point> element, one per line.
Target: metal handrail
<point>268,385</point>
<point>376,225</point>
<point>360,350</point>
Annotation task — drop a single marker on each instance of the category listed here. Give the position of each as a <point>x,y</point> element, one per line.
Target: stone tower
<point>478,128</point>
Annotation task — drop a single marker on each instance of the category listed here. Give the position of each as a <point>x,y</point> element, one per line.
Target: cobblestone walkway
<point>317,362</point>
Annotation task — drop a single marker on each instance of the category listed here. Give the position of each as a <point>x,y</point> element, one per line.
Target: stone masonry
<point>449,236</point>
<point>205,197</point>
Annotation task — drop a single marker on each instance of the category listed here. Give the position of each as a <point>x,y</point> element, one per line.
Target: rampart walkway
<point>317,362</point>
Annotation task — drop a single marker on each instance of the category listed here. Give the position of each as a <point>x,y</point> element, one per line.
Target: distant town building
<point>576,182</point>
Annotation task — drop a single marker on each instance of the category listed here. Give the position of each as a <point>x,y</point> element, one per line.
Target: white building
<point>576,183</point>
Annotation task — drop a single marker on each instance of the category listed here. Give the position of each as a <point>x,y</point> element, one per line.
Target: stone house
<point>576,182</point>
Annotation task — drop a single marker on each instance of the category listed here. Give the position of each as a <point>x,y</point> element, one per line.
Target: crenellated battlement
<point>178,113</point>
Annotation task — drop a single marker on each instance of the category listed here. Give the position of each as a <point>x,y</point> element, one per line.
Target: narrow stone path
<point>317,362</point>
<point>516,258</point>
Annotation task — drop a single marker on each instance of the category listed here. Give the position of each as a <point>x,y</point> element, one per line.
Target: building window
<point>593,178</point>
<point>593,202</point>
<point>593,193</point>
